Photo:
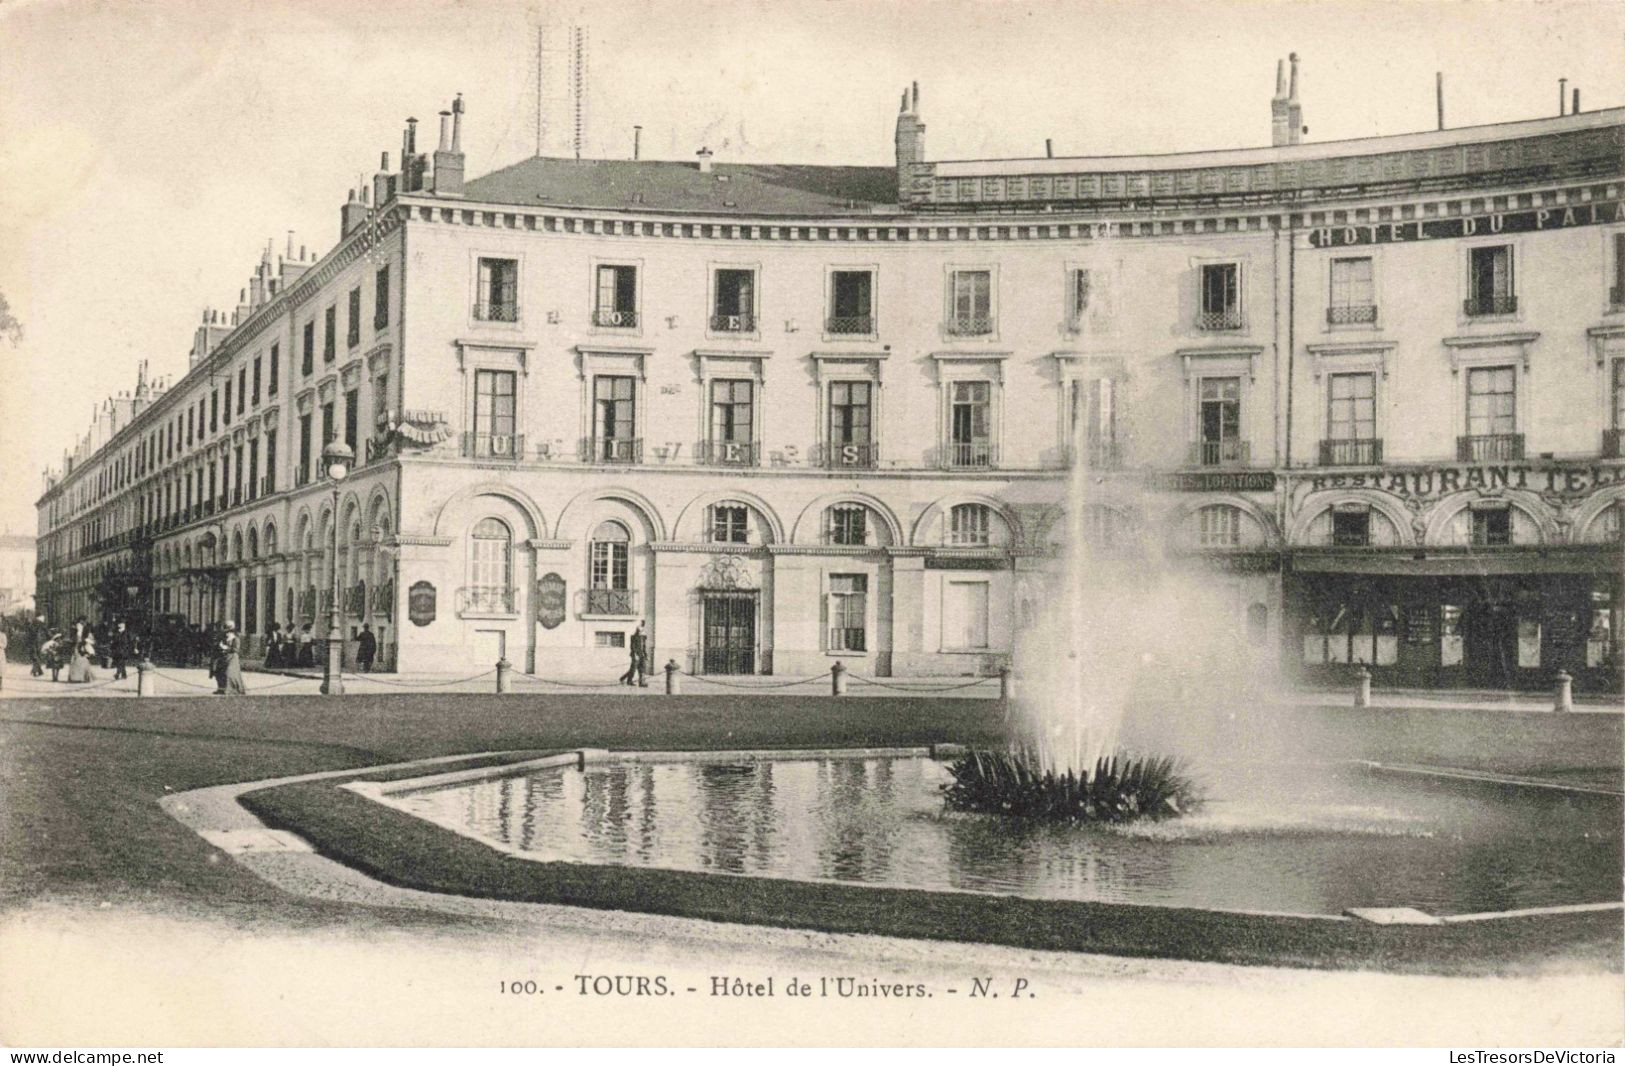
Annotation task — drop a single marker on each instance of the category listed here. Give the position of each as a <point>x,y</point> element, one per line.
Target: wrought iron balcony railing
<point>1220,452</point>
<point>970,325</point>
<point>741,323</point>
<point>497,311</point>
<point>510,446</point>
<point>1478,306</point>
<point>1351,452</point>
<point>1351,315</point>
<point>850,324</point>
<point>485,599</point>
<point>853,455</point>
<point>612,449</point>
<point>1227,318</point>
<point>1613,444</point>
<point>608,318</point>
<point>728,453</point>
<point>613,603</point>
<point>973,455</point>
<point>1486,447</point>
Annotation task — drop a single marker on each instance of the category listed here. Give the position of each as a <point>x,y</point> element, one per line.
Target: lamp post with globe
<point>336,460</point>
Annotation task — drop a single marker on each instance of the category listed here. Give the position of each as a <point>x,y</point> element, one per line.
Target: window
<point>490,568</point>
<point>1491,415</point>
<point>729,523</point>
<point>970,430</point>
<point>851,441</point>
<point>494,410</point>
<point>270,460</point>
<point>607,570</point>
<point>1351,420</point>
<point>1218,527</point>
<point>225,417</point>
<point>848,607</point>
<point>1619,393</point>
<point>352,415</point>
<point>964,615</point>
<point>307,365</point>
<point>253,468</point>
<point>271,381</point>
<point>214,410</point>
<point>498,299</point>
<point>256,381</point>
<point>1351,526</point>
<point>1219,419</point>
<point>1489,281</point>
<point>969,524</point>
<point>1221,296</point>
<point>380,403</point>
<point>732,423</point>
<point>617,298</point>
<point>851,302</point>
<point>327,424</point>
<point>615,437</point>
<point>1094,415</point>
<point>302,475</point>
<point>972,303</point>
<point>1492,527</point>
<point>609,639</point>
<point>848,525</point>
<point>1353,298</point>
<point>352,332</point>
<point>330,329</point>
<point>380,298</point>
<point>734,303</point>
<point>242,388</point>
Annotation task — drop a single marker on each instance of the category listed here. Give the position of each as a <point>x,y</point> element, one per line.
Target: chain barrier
<point>67,686</point>
<point>567,684</point>
<point>916,687</point>
<point>414,684</point>
<point>183,681</point>
<point>710,680</point>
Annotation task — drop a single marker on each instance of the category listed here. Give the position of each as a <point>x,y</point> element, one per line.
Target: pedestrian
<point>4,643</point>
<point>307,651</point>
<point>229,663</point>
<point>366,647</point>
<point>38,634</point>
<point>84,653</point>
<point>120,646</point>
<point>55,653</point>
<point>273,646</point>
<point>639,647</point>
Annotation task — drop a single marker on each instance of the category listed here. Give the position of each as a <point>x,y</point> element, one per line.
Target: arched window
<point>270,540</point>
<point>490,567</point>
<point>969,524</point>
<point>1218,526</point>
<point>847,523</point>
<point>729,523</point>
<point>253,543</point>
<point>237,546</point>
<point>608,586</point>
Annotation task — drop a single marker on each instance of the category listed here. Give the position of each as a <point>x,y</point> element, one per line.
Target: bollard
<point>1564,696</point>
<point>1362,691</point>
<point>504,676</point>
<point>837,679</point>
<point>673,672</point>
<point>1007,684</point>
<point>145,678</point>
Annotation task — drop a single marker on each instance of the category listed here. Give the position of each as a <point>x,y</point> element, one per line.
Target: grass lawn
<point>80,780</point>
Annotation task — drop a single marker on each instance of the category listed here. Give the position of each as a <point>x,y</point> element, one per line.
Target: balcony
<point>1483,306</point>
<point>1226,318</point>
<point>507,446</point>
<point>612,449</point>
<point>485,599</point>
<point>1352,315</point>
<point>1230,452</point>
<point>1351,452</point>
<point>1489,447</point>
<point>611,603</point>
<point>727,453</point>
<point>975,455</point>
<point>497,311</point>
<point>1613,444</point>
<point>741,323</point>
<point>849,456</point>
<point>970,325</point>
<point>850,325</point>
<point>606,318</point>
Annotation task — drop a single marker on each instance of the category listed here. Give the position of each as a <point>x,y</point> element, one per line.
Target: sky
<point>148,150</point>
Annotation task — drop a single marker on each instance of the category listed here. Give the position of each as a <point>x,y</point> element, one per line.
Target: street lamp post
<point>336,460</point>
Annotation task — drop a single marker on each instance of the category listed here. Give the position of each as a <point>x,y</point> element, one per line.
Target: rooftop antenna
<point>578,83</point>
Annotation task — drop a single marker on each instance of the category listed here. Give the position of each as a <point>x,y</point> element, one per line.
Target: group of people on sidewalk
<point>80,650</point>
<point>284,648</point>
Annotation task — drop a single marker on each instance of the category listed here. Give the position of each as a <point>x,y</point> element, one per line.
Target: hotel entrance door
<point>730,632</point>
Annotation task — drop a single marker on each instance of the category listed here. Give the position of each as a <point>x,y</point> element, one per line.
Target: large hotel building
<point>791,415</point>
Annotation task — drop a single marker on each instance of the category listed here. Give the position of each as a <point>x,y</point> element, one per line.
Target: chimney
<point>1438,94</point>
<point>1562,94</point>
<point>380,180</point>
<point>351,215</point>
<point>448,158</point>
<point>1278,115</point>
<point>1294,109</point>
<point>637,141</point>
<point>705,160</point>
<point>1049,148</point>
<point>1575,109</point>
<point>910,140</point>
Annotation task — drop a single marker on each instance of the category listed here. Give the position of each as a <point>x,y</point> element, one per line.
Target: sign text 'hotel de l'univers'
<point>1423,229</point>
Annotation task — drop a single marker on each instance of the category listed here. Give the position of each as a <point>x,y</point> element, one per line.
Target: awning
<point>1435,563</point>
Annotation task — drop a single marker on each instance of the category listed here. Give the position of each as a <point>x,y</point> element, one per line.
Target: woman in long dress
<point>231,672</point>
<point>83,654</point>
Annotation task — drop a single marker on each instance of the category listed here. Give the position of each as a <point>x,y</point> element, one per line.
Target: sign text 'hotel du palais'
<point>1423,229</point>
<point>1430,481</point>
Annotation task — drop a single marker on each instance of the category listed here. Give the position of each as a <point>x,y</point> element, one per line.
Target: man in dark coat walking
<point>120,648</point>
<point>640,660</point>
<point>366,647</point>
<point>38,634</point>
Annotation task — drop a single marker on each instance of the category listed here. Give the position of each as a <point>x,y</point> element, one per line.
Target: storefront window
<point>1450,642</point>
<point>1603,636</point>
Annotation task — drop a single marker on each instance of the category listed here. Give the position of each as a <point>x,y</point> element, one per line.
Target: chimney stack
<point>1562,94</point>
<point>705,160</point>
<point>1575,109</point>
<point>351,215</point>
<point>448,159</point>
<point>1294,109</point>
<point>637,141</point>
<point>1278,118</point>
<point>382,182</point>
<point>1438,94</point>
<point>910,140</point>
<point>1049,148</point>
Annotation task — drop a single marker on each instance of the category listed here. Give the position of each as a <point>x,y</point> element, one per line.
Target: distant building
<point>16,573</point>
<point>794,415</point>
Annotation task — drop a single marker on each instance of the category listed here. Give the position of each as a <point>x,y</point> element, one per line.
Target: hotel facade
<point>792,415</point>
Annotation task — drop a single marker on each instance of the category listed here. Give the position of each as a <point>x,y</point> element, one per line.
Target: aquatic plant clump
<point>1121,788</point>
